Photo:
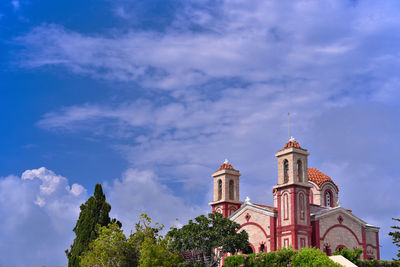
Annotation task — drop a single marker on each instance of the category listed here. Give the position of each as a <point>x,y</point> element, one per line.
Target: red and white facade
<point>306,211</point>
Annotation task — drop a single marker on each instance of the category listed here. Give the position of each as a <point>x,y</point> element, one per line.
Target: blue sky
<point>149,97</point>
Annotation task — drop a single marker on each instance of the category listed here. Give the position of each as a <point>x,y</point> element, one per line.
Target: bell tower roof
<point>292,143</point>
<point>226,165</point>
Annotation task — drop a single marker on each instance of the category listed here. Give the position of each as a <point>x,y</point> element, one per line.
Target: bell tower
<point>226,190</point>
<point>291,197</point>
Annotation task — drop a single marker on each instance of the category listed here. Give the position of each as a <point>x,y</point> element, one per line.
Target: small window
<point>262,248</point>
<point>285,171</point>
<point>219,189</point>
<point>328,199</point>
<point>299,171</point>
<point>231,189</point>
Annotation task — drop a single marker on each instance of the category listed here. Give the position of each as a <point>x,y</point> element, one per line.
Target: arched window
<point>262,248</point>
<point>285,207</point>
<point>328,199</point>
<point>248,250</point>
<point>219,189</point>
<point>299,171</point>
<point>231,189</point>
<point>285,171</point>
<point>301,204</point>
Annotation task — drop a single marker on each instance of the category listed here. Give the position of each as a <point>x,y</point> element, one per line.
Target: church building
<point>306,211</point>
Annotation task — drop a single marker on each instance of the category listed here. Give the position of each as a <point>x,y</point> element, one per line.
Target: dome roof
<point>226,165</point>
<point>292,143</point>
<point>317,177</point>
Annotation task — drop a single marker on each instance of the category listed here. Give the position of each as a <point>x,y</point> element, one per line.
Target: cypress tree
<point>94,211</point>
<point>396,237</point>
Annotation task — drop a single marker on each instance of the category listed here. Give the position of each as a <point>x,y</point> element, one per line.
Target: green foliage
<point>206,233</point>
<point>110,248</point>
<point>156,254</point>
<point>143,248</point>
<point>282,258</point>
<point>93,212</point>
<point>190,264</point>
<point>396,237</point>
<point>378,263</point>
<point>351,255</point>
<point>312,257</point>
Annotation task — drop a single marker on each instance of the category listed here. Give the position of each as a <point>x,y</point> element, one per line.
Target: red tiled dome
<point>226,166</point>
<point>292,144</point>
<point>318,177</point>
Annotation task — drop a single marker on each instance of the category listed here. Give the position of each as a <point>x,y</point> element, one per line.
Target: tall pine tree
<point>94,211</point>
<point>396,237</point>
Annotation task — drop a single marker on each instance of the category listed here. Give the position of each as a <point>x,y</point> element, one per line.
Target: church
<point>306,211</point>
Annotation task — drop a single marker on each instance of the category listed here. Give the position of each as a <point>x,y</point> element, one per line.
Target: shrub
<point>351,255</point>
<point>312,257</point>
<point>378,263</point>
<point>282,258</point>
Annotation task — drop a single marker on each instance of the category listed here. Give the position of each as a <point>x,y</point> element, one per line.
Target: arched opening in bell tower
<point>231,189</point>
<point>299,171</point>
<point>285,171</point>
<point>219,189</point>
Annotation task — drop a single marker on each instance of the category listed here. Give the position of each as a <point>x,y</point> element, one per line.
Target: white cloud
<point>38,214</point>
<point>40,209</point>
<point>246,40</point>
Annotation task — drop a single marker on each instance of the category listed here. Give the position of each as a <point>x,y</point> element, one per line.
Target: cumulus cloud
<point>40,209</point>
<point>38,213</point>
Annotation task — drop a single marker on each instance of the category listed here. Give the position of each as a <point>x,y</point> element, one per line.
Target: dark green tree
<point>95,211</point>
<point>209,238</point>
<point>396,237</point>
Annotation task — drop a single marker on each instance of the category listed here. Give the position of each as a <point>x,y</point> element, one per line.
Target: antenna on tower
<point>288,118</point>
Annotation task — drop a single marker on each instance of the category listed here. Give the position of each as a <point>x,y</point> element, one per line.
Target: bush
<point>378,263</point>
<point>351,255</point>
<point>282,258</point>
<point>189,264</point>
<point>312,257</point>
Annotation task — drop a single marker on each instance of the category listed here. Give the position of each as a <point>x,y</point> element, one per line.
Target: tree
<point>110,248</point>
<point>212,236</point>
<point>93,212</point>
<point>155,253</point>
<point>396,237</point>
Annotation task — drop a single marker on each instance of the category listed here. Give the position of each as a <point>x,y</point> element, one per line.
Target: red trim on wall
<point>294,205</point>
<point>316,235</point>
<point>344,226</point>
<point>272,231</point>
<point>377,246</point>
<point>286,206</point>
<point>302,206</point>
<point>364,241</point>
